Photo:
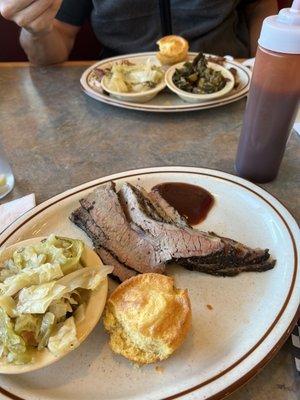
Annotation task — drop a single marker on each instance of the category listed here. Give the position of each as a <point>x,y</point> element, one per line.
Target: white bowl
<point>197,98</point>
<point>141,97</point>
<point>93,313</point>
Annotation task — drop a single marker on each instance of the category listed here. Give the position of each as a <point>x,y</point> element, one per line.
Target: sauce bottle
<point>273,98</point>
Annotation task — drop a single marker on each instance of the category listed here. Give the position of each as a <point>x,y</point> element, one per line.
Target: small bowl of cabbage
<point>52,294</point>
<point>137,83</point>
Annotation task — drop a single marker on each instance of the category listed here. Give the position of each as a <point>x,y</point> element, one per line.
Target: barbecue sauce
<point>191,201</point>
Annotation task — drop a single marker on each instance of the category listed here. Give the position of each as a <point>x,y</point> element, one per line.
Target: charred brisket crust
<point>227,271</point>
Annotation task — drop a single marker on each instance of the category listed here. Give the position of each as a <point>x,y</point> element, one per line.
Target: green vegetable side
<point>43,289</point>
<point>126,77</point>
<point>196,77</point>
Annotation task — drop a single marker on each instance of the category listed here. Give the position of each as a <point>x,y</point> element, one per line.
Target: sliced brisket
<point>121,272</point>
<point>126,240</point>
<point>178,242</point>
<point>229,258</point>
<point>136,230</point>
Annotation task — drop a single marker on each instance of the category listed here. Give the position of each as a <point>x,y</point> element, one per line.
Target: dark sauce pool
<point>191,201</point>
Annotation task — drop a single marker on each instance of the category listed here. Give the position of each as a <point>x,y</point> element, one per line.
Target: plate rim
<point>288,326</point>
<point>86,87</point>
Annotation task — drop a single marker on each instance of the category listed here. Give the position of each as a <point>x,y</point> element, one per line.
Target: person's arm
<point>256,12</point>
<point>50,47</point>
<point>45,39</point>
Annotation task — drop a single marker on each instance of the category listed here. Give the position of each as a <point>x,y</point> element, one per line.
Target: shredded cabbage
<point>13,346</point>
<point>37,298</point>
<point>65,338</point>
<point>86,278</point>
<point>27,323</point>
<point>29,276</point>
<point>46,329</point>
<point>43,290</point>
<point>127,77</point>
<point>60,308</point>
<point>9,305</point>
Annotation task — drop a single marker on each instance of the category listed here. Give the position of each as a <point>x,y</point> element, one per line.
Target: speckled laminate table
<point>56,137</point>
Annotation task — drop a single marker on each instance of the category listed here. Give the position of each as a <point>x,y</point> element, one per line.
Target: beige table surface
<point>56,137</point>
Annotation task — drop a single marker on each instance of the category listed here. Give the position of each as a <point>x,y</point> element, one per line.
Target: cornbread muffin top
<point>147,318</point>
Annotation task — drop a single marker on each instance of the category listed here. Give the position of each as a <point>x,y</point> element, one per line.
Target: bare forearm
<point>46,48</point>
<point>45,39</point>
<point>256,13</point>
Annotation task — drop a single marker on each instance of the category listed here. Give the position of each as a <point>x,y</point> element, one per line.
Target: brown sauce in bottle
<point>191,201</point>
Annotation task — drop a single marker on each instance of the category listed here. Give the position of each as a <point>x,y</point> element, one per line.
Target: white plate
<point>252,313</point>
<point>94,309</point>
<point>165,101</point>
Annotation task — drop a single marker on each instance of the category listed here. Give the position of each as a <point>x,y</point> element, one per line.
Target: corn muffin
<point>147,318</point>
<point>172,49</point>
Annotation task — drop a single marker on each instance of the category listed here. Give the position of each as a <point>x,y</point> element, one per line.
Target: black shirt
<point>131,26</point>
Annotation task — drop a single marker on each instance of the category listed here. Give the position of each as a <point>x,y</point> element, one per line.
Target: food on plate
<point>44,289</point>
<point>143,233</point>
<point>222,61</point>
<point>147,318</point>
<point>127,77</point>
<point>172,49</point>
<point>198,77</point>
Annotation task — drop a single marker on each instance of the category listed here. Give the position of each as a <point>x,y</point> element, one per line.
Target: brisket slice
<point>178,242</point>
<point>131,245</point>
<point>121,272</point>
<point>231,258</point>
<point>166,212</point>
<point>136,230</point>
<point>84,221</point>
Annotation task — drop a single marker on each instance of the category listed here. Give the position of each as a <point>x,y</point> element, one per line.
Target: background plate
<point>251,315</point>
<point>165,101</point>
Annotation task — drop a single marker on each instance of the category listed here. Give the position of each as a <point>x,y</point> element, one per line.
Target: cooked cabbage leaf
<point>9,305</point>
<point>85,278</point>
<point>46,329</point>
<point>27,323</point>
<point>64,339</point>
<point>37,298</point>
<point>128,77</point>
<point>30,276</point>
<point>13,346</point>
<point>60,308</point>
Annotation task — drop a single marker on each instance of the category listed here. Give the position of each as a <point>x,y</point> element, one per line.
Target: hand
<point>36,16</point>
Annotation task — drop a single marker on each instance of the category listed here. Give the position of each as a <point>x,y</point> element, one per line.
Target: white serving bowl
<point>198,98</point>
<point>141,97</point>
<point>94,309</point>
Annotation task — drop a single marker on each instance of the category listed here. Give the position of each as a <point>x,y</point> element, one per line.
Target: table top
<point>56,137</point>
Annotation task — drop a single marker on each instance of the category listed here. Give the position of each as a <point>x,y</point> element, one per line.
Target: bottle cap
<point>281,32</point>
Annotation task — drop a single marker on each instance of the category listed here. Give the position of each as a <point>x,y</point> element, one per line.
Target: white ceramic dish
<point>94,310</point>
<point>251,316</point>
<point>165,101</point>
<point>141,97</point>
<point>199,98</point>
